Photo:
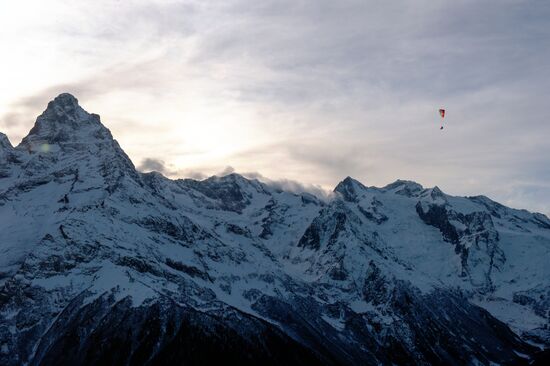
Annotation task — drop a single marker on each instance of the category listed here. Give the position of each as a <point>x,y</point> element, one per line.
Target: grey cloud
<point>150,20</point>
<point>226,171</point>
<point>166,169</point>
<point>197,175</point>
<point>152,164</point>
<point>292,186</point>
<point>319,49</point>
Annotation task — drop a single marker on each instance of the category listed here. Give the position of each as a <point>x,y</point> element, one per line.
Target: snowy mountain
<point>102,264</point>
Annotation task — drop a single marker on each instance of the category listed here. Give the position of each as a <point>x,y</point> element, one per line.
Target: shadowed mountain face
<point>101,264</point>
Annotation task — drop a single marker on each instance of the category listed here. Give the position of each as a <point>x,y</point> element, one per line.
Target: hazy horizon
<point>304,91</point>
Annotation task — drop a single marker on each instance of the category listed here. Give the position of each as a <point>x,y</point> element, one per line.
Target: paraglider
<point>442,114</point>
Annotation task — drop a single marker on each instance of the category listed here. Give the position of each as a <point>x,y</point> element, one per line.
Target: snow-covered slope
<point>102,264</point>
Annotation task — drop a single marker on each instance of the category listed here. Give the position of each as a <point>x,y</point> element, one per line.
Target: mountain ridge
<point>399,274</point>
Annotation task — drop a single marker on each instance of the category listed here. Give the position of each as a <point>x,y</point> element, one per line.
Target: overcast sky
<point>309,91</point>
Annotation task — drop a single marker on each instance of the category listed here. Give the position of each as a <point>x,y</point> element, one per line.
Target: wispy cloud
<point>292,186</point>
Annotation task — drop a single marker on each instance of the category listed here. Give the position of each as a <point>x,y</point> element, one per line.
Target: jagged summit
<point>437,193</point>
<point>65,100</point>
<point>66,132</point>
<point>402,183</point>
<point>405,188</point>
<point>349,188</point>
<point>65,109</point>
<point>65,121</point>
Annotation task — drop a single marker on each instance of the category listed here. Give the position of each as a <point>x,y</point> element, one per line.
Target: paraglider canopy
<point>442,114</point>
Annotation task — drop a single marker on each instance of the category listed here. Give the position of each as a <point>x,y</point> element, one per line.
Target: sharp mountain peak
<point>65,121</point>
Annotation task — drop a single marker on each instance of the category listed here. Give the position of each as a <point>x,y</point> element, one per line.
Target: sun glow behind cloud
<point>311,91</point>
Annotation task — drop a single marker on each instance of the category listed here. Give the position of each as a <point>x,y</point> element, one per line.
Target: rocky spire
<point>64,120</point>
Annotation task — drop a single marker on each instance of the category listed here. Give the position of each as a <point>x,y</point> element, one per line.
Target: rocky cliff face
<point>102,264</point>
